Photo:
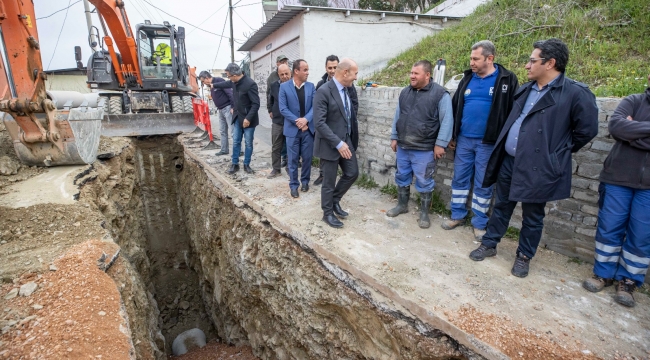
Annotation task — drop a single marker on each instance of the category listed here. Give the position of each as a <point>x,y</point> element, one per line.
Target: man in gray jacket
<point>623,235</point>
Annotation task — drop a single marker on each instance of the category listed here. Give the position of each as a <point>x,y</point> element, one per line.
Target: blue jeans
<point>418,163</point>
<point>533,215</point>
<point>471,159</point>
<point>623,234</point>
<point>237,133</point>
<point>301,145</point>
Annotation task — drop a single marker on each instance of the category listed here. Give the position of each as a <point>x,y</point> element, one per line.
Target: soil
<point>24,172</point>
<point>217,351</point>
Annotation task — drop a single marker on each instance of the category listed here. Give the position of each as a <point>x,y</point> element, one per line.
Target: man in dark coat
<point>623,237</point>
<point>331,62</point>
<point>278,141</point>
<point>245,118</point>
<point>333,140</point>
<point>552,117</point>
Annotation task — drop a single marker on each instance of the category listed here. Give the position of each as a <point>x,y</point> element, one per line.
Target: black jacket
<point>273,103</point>
<point>419,121</point>
<point>247,99</point>
<point>563,121</point>
<point>628,163</point>
<point>221,97</point>
<point>329,122</point>
<point>504,90</point>
<point>354,99</point>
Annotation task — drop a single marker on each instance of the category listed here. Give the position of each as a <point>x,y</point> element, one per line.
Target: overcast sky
<point>202,47</point>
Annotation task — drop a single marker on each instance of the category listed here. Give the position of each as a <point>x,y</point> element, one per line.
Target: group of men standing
<point>517,140</point>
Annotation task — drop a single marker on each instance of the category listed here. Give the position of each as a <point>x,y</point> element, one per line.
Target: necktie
<point>347,108</point>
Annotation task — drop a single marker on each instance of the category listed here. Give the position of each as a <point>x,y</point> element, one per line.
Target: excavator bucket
<point>143,124</point>
<point>79,128</point>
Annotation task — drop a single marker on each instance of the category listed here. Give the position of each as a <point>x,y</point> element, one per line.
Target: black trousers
<point>533,215</point>
<point>331,191</point>
<point>277,141</point>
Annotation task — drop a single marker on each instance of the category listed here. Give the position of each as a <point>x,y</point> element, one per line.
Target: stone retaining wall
<point>570,224</point>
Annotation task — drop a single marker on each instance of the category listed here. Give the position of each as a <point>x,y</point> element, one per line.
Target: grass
<point>438,205</point>
<point>512,233</point>
<point>575,260</point>
<point>366,181</point>
<point>607,40</point>
<point>389,189</point>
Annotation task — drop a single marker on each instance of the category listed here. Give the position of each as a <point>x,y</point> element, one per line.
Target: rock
<point>37,307</point>
<point>26,237</point>
<point>27,319</point>
<point>77,224</point>
<point>12,294</point>
<point>187,341</point>
<point>53,268</point>
<point>315,230</point>
<point>28,289</point>
<point>102,313</point>
<point>8,166</point>
<point>184,305</point>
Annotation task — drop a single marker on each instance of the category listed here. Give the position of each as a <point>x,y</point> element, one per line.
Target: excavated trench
<point>200,257</point>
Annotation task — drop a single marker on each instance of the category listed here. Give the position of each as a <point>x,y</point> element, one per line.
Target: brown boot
<point>624,291</point>
<point>596,283</point>
<point>451,224</point>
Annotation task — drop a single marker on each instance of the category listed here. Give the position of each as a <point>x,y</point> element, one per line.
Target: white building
<point>369,37</point>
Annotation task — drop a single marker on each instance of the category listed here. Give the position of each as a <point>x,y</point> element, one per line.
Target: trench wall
<point>570,224</point>
<point>262,288</point>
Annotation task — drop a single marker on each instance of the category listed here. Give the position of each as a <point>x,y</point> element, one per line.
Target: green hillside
<point>609,41</point>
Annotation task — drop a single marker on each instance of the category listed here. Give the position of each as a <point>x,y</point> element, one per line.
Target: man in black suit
<point>279,146</point>
<point>333,118</point>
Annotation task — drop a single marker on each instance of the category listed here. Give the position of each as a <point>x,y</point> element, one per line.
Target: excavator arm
<point>41,134</point>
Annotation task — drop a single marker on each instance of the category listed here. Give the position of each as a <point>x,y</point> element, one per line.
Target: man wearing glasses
<point>552,117</point>
<point>245,119</point>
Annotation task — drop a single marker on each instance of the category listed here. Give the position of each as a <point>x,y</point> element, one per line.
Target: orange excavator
<point>145,87</point>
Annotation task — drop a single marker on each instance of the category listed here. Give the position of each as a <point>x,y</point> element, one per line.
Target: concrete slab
<point>428,272</point>
<point>55,186</point>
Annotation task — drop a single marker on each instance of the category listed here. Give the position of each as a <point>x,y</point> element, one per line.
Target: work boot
<point>425,205</point>
<point>452,224</point>
<point>478,234</point>
<point>482,252</point>
<point>233,169</point>
<point>596,283</point>
<point>624,291</point>
<point>521,266</point>
<point>403,194</point>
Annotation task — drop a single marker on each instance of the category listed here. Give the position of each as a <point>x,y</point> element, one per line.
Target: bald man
<point>278,141</point>
<point>334,122</point>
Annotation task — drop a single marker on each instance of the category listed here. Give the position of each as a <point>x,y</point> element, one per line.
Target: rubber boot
<point>403,194</point>
<point>425,204</point>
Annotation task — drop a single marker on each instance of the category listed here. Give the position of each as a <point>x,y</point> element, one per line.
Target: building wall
<point>67,83</point>
<point>366,38</point>
<point>278,38</point>
<point>570,224</point>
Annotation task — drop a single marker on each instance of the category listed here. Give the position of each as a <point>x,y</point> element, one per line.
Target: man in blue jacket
<point>623,235</point>
<point>296,100</point>
<point>552,117</point>
<point>224,101</point>
<point>481,104</point>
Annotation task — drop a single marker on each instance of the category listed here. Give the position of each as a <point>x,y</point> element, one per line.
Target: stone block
<point>591,171</point>
<point>569,204</point>
<point>586,231</point>
<point>588,209</point>
<point>574,166</point>
<point>587,196</point>
<point>602,145</point>
<point>580,183</point>
<point>590,220</point>
<point>447,182</point>
<point>577,218</point>
<point>566,215</point>
<point>594,186</point>
<point>444,172</point>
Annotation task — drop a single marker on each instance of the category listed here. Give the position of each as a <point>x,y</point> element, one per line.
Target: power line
<point>60,32</point>
<point>136,9</point>
<point>179,19</point>
<point>242,19</point>
<point>257,3</point>
<point>58,11</point>
<point>206,19</point>
<point>219,47</point>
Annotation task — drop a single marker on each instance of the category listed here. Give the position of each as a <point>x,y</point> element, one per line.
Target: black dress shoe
<point>332,221</point>
<point>339,211</point>
<point>233,169</point>
<point>274,173</point>
<point>222,152</point>
<point>284,162</point>
<point>304,188</point>
<point>319,179</point>
<point>248,169</point>
<point>294,193</point>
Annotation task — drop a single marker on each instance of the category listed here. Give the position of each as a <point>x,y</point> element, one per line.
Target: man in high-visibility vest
<point>164,51</point>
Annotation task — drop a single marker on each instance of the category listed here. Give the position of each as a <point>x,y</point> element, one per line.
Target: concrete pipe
<point>60,98</point>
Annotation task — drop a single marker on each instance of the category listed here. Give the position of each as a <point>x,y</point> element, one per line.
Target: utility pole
<point>232,40</point>
<point>89,22</point>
